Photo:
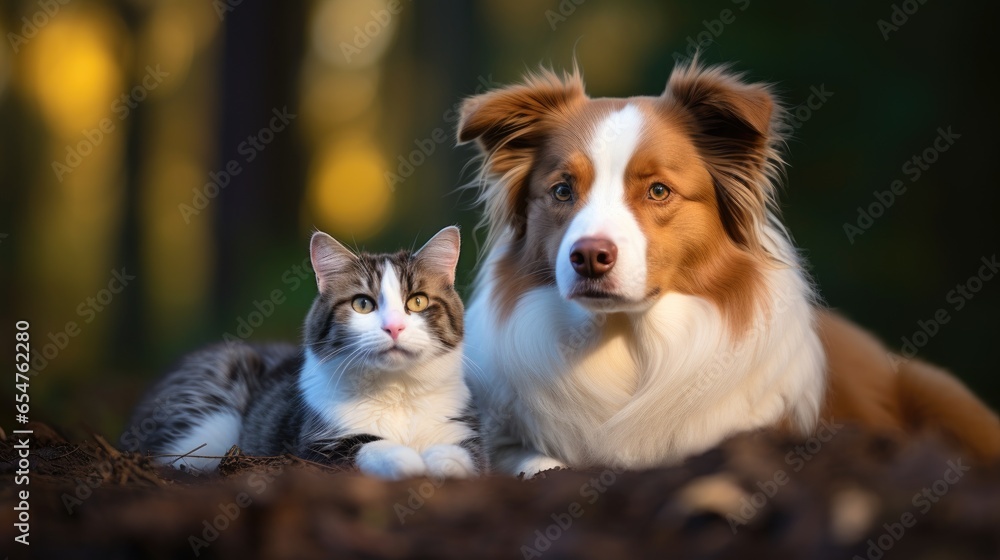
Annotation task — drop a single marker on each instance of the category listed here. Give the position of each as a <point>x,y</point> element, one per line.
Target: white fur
<point>391,297</point>
<point>448,461</point>
<point>218,433</point>
<point>407,401</point>
<point>605,214</point>
<point>409,409</point>
<point>391,461</point>
<point>559,384</point>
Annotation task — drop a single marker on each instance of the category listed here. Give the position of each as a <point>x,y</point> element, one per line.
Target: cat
<point>377,383</point>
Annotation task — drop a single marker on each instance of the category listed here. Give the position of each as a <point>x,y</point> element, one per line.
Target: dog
<point>639,299</point>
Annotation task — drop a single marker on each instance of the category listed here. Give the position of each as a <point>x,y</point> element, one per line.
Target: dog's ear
<point>735,127</point>
<point>512,118</point>
<point>509,125</point>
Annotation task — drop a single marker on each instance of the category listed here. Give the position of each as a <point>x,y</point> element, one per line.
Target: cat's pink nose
<point>393,325</point>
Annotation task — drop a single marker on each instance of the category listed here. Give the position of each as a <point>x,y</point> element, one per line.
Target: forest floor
<point>844,494</point>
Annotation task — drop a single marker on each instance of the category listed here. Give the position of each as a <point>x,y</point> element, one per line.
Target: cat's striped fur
<point>382,389</point>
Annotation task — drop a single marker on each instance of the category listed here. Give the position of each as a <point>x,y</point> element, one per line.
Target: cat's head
<point>384,312</point>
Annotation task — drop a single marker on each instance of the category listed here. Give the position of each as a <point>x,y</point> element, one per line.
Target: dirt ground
<point>844,495</point>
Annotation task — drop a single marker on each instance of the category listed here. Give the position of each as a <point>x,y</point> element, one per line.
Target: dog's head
<point>621,201</point>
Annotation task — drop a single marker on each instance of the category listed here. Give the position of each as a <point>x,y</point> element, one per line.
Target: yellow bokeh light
<point>176,257</point>
<point>348,194</point>
<point>169,39</point>
<point>330,98</point>
<point>71,69</point>
<point>355,33</point>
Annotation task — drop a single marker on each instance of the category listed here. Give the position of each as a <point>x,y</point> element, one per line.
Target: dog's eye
<point>363,304</point>
<point>562,192</point>
<point>659,191</point>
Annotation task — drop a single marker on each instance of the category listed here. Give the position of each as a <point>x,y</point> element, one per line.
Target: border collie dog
<point>640,300</point>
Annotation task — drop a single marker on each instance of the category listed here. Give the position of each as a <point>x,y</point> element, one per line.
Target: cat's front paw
<point>390,461</point>
<point>449,461</point>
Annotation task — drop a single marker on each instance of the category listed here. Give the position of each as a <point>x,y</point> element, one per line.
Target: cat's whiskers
<point>359,355</point>
<point>342,368</point>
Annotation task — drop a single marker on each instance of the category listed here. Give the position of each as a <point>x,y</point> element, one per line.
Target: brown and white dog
<point>640,300</point>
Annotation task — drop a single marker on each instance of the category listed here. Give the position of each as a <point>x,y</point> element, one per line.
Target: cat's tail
<point>194,415</point>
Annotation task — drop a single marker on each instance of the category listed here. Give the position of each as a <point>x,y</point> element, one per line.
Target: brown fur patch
<point>691,249</point>
<point>713,139</point>
<point>688,249</point>
<point>865,387</point>
<point>363,276</point>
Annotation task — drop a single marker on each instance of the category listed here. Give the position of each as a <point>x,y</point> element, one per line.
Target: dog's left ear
<point>735,129</point>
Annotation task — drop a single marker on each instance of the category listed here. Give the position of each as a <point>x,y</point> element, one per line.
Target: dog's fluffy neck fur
<point>590,389</point>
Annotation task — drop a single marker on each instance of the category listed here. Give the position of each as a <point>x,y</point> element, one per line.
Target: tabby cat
<point>377,383</point>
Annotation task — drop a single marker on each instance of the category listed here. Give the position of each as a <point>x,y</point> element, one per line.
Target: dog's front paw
<point>449,461</point>
<point>390,461</point>
<point>535,464</point>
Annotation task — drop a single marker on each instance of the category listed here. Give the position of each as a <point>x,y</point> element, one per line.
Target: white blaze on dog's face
<point>620,201</point>
<point>601,261</point>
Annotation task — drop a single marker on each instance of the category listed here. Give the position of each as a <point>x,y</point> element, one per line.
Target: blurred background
<point>163,162</point>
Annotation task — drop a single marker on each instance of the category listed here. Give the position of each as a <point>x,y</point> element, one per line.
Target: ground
<point>843,495</point>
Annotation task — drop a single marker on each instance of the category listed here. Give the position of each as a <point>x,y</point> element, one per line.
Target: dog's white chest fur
<point>638,390</point>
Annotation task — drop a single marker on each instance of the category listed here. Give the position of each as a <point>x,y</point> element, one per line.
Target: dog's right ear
<point>507,122</point>
<point>509,125</point>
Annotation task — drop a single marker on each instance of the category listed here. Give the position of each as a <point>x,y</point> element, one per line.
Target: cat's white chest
<point>397,415</point>
<point>391,414</point>
<point>398,410</point>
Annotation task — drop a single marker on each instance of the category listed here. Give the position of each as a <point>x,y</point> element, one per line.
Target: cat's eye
<point>562,192</point>
<point>363,304</point>
<point>417,303</point>
<point>658,191</point>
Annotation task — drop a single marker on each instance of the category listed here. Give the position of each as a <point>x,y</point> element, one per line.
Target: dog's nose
<point>593,257</point>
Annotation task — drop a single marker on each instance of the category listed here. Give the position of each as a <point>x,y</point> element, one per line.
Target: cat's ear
<point>441,252</point>
<point>329,258</point>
